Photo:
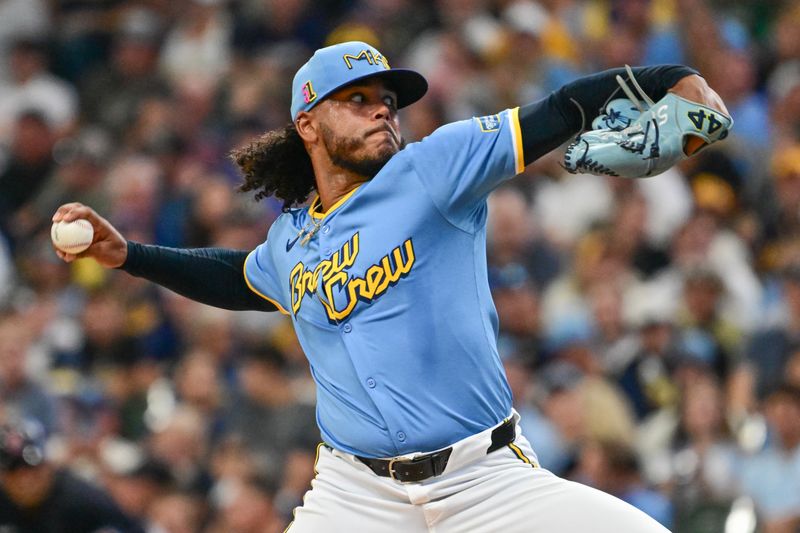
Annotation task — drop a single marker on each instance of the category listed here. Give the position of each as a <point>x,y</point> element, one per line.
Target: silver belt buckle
<point>392,472</point>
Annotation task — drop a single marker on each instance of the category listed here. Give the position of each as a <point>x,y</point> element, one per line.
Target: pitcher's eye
<point>390,102</point>
<point>357,98</point>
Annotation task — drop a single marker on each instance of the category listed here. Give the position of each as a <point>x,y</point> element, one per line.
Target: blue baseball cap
<point>333,67</point>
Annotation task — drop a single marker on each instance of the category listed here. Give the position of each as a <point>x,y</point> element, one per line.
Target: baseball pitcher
<point>384,277</point>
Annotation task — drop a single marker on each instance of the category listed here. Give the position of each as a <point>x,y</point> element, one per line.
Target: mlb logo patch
<point>489,123</point>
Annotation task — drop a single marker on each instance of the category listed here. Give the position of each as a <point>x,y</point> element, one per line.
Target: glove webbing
<point>593,166</point>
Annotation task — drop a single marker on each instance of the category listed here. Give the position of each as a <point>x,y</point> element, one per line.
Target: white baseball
<point>72,237</point>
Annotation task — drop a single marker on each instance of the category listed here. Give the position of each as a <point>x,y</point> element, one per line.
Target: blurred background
<point>650,329</point>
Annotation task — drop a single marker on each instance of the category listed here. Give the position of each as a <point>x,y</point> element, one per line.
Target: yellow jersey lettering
<point>340,278</point>
<point>404,264</point>
<point>321,270</point>
<point>372,278</point>
<point>331,278</point>
<point>348,252</point>
<point>307,280</point>
<point>298,288</point>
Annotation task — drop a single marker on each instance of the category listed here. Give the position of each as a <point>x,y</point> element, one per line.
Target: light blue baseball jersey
<point>390,297</point>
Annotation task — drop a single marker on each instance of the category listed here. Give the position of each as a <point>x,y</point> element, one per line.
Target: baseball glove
<point>633,144</point>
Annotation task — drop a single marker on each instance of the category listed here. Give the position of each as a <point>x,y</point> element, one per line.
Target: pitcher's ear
<point>306,126</point>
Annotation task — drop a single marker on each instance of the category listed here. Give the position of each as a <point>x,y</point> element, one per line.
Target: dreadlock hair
<point>277,164</point>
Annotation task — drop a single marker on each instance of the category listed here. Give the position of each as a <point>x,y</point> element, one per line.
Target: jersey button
<point>347,328</point>
<point>326,229</point>
<point>401,436</point>
<point>371,383</point>
<point>328,251</point>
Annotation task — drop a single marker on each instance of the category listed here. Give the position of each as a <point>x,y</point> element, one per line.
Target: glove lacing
<point>627,90</point>
<point>638,147</point>
<point>584,164</point>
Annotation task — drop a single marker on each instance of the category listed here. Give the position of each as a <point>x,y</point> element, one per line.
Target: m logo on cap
<point>373,58</point>
<point>308,93</point>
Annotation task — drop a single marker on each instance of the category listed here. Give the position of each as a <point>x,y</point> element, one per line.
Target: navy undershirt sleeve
<point>212,276</point>
<point>550,122</point>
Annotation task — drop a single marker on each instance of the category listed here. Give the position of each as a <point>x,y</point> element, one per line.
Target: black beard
<point>341,150</point>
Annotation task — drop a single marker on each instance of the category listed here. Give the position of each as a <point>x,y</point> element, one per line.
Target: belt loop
<point>503,435</point>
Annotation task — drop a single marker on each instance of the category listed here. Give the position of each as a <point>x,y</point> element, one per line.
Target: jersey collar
<point>315,205</point>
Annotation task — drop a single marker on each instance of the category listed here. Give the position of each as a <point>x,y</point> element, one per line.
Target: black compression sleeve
<point>213,276</point>
<point>548,123</point>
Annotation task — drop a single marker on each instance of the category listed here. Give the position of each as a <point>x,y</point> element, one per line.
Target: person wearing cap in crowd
<point>703,323</point>
<point>517,304</point>
<point>20,394</point>
<point>613,467</point>
<point>772,476</point>
<point>38,497</point>
<point>33,87</point>
<point>384,276</point>
<point>79,173</point>
<point>138,486</point>
<point>264,415</point>
<point>646,379</point>
<point>112,95</point>
<point>27,169</point>
<point>779,211</point>
<point>770,347</point>
<point>197,51</point>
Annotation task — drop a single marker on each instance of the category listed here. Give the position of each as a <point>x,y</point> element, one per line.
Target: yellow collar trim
<point>315,204</point>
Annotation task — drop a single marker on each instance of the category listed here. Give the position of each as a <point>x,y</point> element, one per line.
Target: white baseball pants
<point>477,493</point>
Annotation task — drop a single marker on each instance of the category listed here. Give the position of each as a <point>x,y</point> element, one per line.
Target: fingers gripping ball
<point>72,237</point>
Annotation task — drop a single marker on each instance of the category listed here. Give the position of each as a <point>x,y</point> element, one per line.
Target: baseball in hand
<point>72,237</point>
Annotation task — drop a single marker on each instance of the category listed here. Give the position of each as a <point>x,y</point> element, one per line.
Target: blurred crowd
<point>650,329</point>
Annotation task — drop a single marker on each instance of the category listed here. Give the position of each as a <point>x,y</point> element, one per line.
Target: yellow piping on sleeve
<point>267,298</point>
<point>516,135</point>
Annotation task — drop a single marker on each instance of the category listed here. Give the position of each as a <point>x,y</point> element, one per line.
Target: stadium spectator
<point>177,512</point>
<point>513,238</point>
<point>32,87</point>
<point>245,507</point>
<point>138,490</point>
<point>27,168</point>
<point>772,477</point>
<point>613,467</point>
<point>21,19</point>
<point>697,457</point>
<point>36,495</point>
<point>112,94</point>
<point>21,395</point>
<point>552,452</point>
<point>681,291</point>
<point>266,415</point>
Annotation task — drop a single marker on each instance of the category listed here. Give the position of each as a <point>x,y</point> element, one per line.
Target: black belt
<point>433,464</point>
